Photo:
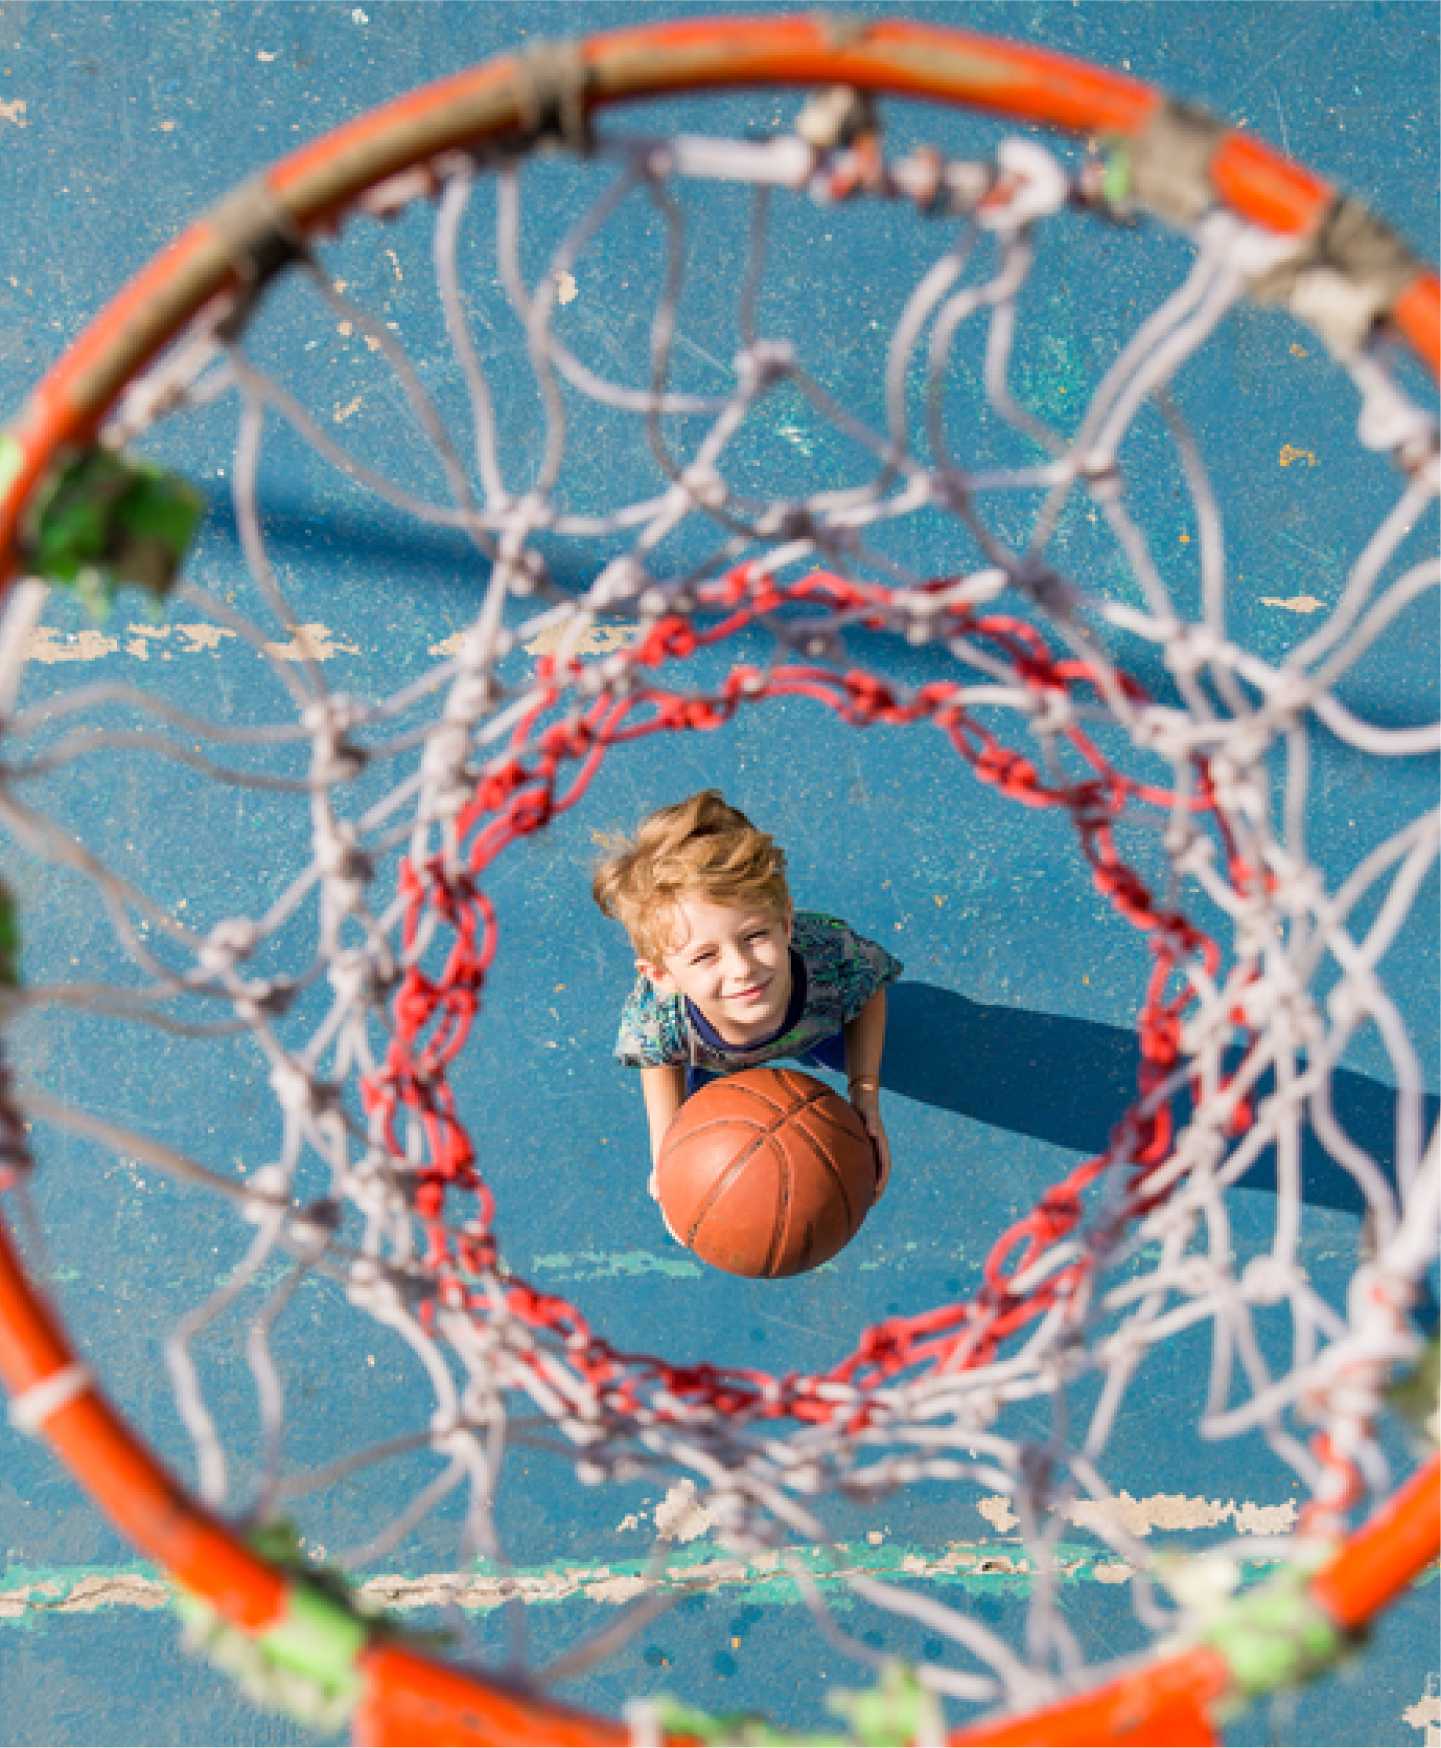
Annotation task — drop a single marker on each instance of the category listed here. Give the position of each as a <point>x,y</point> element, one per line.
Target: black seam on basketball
<point>846,1121</point>
<point>830,1166</point>
<point>721,1184</point>
<point>782,1113</point>
<point>782,1220</point>
<point>730,1121</point>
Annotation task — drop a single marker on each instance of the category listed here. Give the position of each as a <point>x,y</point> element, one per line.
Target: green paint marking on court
<point>29,1595</point>
<point>592,1265</point>
<point>595,1265</point>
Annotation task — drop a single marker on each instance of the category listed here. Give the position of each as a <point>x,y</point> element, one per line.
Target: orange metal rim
<point>311,187</point>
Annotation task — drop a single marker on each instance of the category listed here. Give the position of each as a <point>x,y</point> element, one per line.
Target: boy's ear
<point>656,976</point>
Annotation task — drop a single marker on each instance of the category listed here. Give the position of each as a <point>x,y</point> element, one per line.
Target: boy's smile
<point>734,965</point>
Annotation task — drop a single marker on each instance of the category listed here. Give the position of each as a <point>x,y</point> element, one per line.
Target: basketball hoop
<point>353,971</point>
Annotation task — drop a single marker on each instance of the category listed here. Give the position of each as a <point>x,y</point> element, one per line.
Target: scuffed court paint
<point>680,1516</point>
<point>317,643</point>
<point>598,640</point>
<point>1426,1713</point>
<point>1294,603</point>
<point>1164,1511</point>
<point>976,1566</point>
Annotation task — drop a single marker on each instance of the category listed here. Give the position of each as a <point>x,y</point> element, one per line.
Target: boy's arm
<point>663,1089</point>
<point>865,1037</point>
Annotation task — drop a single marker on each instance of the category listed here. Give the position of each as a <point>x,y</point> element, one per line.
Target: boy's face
<point>734,965</point>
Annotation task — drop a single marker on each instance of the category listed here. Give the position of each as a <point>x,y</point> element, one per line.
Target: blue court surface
<point>1012,1043</point>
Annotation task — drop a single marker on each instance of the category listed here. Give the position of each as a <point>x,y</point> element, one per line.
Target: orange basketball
<point>766,1172</point>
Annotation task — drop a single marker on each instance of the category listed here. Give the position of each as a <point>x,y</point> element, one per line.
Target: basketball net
<point>356,965</point>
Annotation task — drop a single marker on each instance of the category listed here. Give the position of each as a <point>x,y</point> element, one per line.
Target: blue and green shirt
<point>834,973</point>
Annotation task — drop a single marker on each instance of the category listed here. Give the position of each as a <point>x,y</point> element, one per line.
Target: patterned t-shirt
<point>834,973</point>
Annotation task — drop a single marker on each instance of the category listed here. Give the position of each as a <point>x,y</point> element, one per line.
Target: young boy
<point>731,974</point>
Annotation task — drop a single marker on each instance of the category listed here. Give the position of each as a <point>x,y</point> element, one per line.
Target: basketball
<point>766,1173</point>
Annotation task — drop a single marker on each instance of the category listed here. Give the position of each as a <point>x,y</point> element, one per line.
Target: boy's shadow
<point>1067,1081</point>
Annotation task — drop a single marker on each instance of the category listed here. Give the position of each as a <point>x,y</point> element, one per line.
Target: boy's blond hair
<point>699,847</point>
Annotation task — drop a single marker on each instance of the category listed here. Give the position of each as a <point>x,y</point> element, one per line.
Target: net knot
<point>431,1196</point>
<point>883,1345</point>
<point>299,1092</point>
<point>521,569</point>
<point>568,740</point>
<point>16,1162</point>
<point>1344,278</point>
<point>1052,709</point>
<point>621,582</point>
<point>1378,1296</point>
<point>415,1003</point>
<point>1267,1280</point>
<point>369,1288</point>
<point>1126,891</point>
<point>335,758</point>
<point>670,638</point>
<point>705,714</point>
<point>313,1227</point>
<point>704,486</point>
<point>230,941</point>
<point>531,810</point>
<point>838,116</point>
<point>447,890</point>
<point>1189,648</point>
<point>869,697</point>
<point>267,1194</point>
<point>445,771</point>
<point>1011,773</point>
<point>1391,424</point>
<point>450,1437</point>
<point>1061,1206</point>
<point>745,682</point>
<point>475,689</point>
<point>339,857</point>
<point>1161,1039</point>
<point>1167,732</point>
<point>786,523</point>
<point>763,364</point>
<point>552,85</point>
<point>362,978</point>
<point>1030,185</point>
<point>499,784</point>
<point>1101,472</point>
<point>265,996</point>
<point>477,1252</point>
<point>1043,583</point>
<point>1356,999</point>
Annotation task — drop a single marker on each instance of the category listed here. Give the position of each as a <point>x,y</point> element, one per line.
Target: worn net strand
<point>378,1182</point>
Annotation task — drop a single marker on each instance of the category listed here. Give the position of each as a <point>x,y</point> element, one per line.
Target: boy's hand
<point>654,1187</point>
<point>867,1106</point>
